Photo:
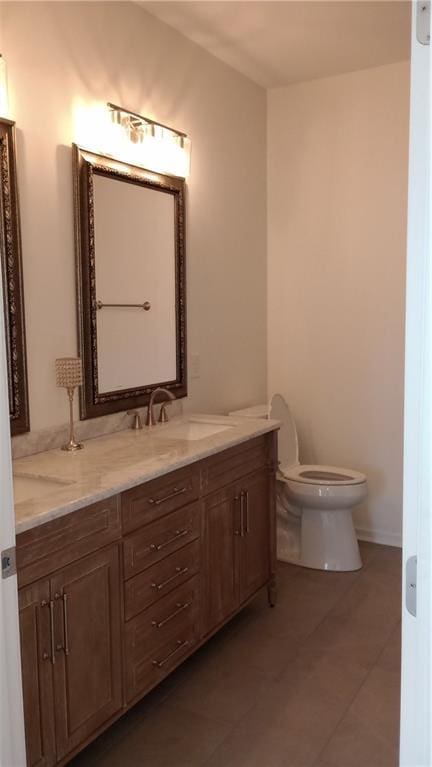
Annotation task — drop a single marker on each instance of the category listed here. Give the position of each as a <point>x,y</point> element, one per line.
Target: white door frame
<point>12,743</point>
<point>415,742</point>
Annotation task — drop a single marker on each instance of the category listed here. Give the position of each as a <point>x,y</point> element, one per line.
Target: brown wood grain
<point>254,559</point>
<point>171,618</point>
<point>161,538</point>
<point>223,468</point>
<point>152,500</point>
<point>117,650</point>
<point>157,581</point>
<point>220,556</point>
<point>87,680</point>
<point>44,549</point>
<point>37,674</point>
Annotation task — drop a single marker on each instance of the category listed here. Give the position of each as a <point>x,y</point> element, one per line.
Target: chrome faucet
<point>150,420</point>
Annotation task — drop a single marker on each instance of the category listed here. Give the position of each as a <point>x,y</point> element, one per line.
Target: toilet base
<point>327,541</point>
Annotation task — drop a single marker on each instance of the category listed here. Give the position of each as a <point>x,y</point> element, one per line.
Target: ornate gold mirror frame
<point>86,166</point>
<point>11,268</point>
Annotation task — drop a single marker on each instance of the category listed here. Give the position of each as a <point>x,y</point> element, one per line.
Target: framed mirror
<point>11,268</point>
<point>130,241</point>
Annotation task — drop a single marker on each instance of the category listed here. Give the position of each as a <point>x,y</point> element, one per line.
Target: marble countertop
<point>52,484</point>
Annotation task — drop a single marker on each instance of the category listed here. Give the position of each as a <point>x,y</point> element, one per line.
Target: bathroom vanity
<point>115,593</point>
<point>132,552</point>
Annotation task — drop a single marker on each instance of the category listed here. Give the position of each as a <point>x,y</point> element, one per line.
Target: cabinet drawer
<point>152,500</point>
<point>146,671</point>
<point>161,538</point>
<point>229,466</point>
<point>162,623</point>
<point>44,549</point>
<point>160,579</point>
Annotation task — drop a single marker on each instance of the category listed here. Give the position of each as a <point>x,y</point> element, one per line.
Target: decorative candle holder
<point>69,376</point>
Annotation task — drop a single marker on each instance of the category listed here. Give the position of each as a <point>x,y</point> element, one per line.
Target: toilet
<point>314,518</point>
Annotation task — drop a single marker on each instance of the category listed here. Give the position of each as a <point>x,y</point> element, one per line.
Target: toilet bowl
<point>314,503</point>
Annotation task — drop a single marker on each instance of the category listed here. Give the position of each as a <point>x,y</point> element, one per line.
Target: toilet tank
<point>256,411</point>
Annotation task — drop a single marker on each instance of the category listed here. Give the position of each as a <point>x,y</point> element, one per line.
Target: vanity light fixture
<point>69,375</point>
<point>4,101</point>
<point>153,145</point>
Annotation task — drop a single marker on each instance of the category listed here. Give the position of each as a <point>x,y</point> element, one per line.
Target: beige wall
<point>337,188</point>
<point>60,52</point>
<point>337,178</point>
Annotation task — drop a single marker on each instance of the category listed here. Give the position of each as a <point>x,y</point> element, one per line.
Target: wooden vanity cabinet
<point>70,621</point>
<point>36,670</point>
<point>254,556</point>
<point>221,527</point>
<point>115,596</point>
<point>70,647</point>
<point>236,546</point>
<point>87,674</point>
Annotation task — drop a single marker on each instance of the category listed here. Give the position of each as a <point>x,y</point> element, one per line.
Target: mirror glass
<point>131,287</point>
<point>11,273</point>
<point>135,264</point>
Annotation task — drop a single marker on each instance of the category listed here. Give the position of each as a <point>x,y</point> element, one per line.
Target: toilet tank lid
<point>288,450</point>
<point>256,411</point>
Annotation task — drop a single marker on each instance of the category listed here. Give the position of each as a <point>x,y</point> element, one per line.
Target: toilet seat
<point>312,474</point>
<point>290,467</point>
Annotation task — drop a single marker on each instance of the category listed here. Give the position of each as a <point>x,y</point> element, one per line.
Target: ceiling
<point>279,43</point>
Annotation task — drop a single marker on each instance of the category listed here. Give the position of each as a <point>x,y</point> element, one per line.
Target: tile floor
<point>313,682</point>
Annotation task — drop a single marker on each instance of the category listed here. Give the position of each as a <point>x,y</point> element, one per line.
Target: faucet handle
<point>163,415</point>
<point>136,423</point>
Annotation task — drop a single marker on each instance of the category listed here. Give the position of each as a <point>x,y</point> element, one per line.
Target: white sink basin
<point>26,487</point>
<point>193,429</point>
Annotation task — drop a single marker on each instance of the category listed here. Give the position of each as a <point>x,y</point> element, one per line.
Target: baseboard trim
<point>379,536</point>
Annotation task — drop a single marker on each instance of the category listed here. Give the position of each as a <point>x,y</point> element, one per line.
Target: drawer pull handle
<point>180,608</point>
<point>176,491</point>
<point>179,571</point>
<point>177,534</point>
<point>180,644</point>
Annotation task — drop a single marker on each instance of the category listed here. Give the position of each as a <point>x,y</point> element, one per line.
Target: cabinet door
<point>221,532</point>
<point>36,663</point>
<point>87,676</point>
<point>254,560</point>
